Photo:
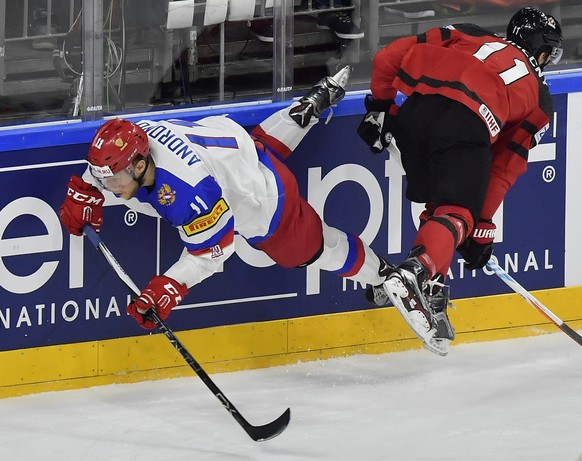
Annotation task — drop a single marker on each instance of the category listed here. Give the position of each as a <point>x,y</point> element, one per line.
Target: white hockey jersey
<point>210,181</point>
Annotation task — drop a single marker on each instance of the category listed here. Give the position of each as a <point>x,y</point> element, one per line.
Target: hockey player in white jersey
<point>210,179</point>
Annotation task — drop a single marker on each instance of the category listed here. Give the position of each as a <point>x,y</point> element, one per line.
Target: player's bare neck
<point>150,174</point>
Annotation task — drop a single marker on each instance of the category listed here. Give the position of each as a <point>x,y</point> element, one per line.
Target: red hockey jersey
<point>499,81</point>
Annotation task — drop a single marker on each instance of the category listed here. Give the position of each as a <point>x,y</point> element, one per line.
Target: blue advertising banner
<point>57,289</point>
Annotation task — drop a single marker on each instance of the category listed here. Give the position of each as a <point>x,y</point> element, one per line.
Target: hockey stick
<point>257,433</point>
<point>512,283</point>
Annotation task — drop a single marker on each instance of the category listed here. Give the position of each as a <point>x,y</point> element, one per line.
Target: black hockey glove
<point>375,127</point>
<point>478,248</point>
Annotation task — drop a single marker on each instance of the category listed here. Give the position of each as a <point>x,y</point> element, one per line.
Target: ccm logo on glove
<point>84,198</point>
<point>83,205</point>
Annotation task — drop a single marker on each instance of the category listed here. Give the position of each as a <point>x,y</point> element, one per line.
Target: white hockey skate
<point>325,93</point>
<point>405,289</point>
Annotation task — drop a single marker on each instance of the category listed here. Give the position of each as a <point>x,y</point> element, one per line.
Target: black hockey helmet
<point>536,32</point>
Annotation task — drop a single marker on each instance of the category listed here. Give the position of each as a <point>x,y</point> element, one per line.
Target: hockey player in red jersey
<point>476,104</point>
<point>210,178</point>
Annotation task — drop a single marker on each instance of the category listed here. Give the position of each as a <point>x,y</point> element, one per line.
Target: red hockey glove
<point>163,294</point>
<point>478,248</point>
<point>83,205</point>
<point>374,129</point>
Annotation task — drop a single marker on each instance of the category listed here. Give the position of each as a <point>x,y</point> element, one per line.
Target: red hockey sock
<point>441,234</point>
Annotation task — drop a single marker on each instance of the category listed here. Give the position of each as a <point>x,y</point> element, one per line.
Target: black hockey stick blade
<point>257,433</point>
<point>270,430</point>
<point>532,300</point>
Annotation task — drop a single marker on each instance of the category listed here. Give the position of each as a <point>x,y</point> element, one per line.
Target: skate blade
<point>341,78</point>
<point>438,346</point>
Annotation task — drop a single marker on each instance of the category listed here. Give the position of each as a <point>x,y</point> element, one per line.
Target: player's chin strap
<point>257,433</point>
<point>512,283</point>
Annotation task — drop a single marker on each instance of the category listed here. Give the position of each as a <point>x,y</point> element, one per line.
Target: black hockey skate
<point>406,288</point>
<point>437,295</point>
<point>327,92</point>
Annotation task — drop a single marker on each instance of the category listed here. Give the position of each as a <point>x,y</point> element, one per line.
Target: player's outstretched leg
<point>283,130</point>
<point>327,92</point>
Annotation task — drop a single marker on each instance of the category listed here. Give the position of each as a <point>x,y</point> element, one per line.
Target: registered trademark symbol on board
<point>549,174</point>
<point>130,217</point>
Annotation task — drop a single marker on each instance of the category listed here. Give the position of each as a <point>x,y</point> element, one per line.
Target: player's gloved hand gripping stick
<point>374,129</point>
<point>257,433</point>
<point>477,248</point>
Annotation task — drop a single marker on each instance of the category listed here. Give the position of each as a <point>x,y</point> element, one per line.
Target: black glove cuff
<point>377,105</point>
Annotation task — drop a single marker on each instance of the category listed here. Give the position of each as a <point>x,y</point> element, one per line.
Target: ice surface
<point>509,400</point>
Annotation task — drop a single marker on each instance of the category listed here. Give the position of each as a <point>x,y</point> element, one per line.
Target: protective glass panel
<point>160,54</point>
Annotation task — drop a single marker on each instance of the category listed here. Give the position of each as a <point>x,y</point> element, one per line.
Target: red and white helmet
<point>115,145</point>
